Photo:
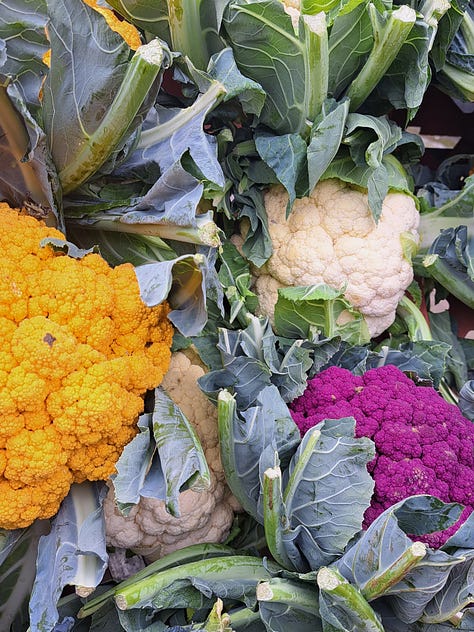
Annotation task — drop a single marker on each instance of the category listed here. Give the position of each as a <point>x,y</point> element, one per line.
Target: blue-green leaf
<point>327,493</point>
<point>73,553</point>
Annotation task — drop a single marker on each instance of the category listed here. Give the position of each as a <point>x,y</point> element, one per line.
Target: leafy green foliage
<point>162,460</point>
<point>319,310</point>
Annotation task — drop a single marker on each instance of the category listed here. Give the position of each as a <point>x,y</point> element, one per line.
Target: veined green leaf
<point>28,177</point>
<point>23,29</point>
<point>350,41</point>
<point>181,456</point>
<point>249,440</point>
<point>185,282</point>
<point>73,553</point>
<point>327,493</point>
<point>267,49</point>
<point>304,312</point>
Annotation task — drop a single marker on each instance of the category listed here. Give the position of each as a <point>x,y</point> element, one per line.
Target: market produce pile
<point>236,297</point>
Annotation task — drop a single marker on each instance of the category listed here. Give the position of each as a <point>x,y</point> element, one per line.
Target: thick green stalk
<point>186,31</point>
<point>205,232</point>
<point>317,62</point>
<point>433,10</point>
<point>188,554</point>
<point>142,593</point>
<point>349,599</point>
<point>389,37</point>
<point>141,72</point>
<point>442,272</point>
<point>298,471</point>
<point>298,595</point>
<point>16,138</point>
<point>85,503</point>
<point>226,412</point>
<point>378,585</point>
<point>275,520</point>
<point>205,102</point>
<point>418,328</point>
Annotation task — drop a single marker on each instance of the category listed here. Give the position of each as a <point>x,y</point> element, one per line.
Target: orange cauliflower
<point>206,516</point>
<point>79,349</point>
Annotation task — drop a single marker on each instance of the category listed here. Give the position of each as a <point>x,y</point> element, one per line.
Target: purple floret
<point>424,445</point>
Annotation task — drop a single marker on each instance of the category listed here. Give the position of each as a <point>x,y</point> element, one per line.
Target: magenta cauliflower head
<point>423,444</point>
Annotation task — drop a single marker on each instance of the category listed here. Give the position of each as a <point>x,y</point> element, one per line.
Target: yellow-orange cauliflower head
<point>79,350</point>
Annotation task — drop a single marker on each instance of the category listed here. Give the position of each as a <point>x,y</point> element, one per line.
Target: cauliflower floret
<point>206,516</point>
<point>79,350</point>
<point>423,444</point>
<point>331,238</point>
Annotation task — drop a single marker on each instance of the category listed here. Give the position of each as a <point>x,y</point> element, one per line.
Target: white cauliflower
<point>332,238</point>
<point>149,529</point>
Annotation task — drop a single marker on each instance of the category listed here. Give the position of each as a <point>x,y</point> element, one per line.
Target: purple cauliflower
<point>424,445</point>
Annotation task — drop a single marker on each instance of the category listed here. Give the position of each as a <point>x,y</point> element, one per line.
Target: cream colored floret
<point>331,237</point>
<point>206,516</point>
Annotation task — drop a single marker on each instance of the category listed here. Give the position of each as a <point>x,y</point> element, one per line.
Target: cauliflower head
<point>79,349</point>
<point>331,238</point>
<point>423,444</point>
<point>207,516</point>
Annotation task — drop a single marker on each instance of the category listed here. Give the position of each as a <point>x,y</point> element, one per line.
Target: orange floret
<point>80,349</point>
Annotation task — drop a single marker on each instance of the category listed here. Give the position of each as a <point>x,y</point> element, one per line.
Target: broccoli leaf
<point>268,51</point>
<point>374,560</point>
<point>185,282</point>
<point>248,441</point>
<point>466,399</point>
<point>75,99</point>
<point>181,457</point>
<point>450,261</point>
<point>455,595</point>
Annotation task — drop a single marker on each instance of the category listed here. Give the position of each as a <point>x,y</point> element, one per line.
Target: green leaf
<point>450,261</point>
<point>18,549</point>
<point>73,553</point>
<point>286,155</point>
<point>466,400</point>
<point>327,493</point>
<point>22,27</point>
<point>325,138</point>
<point>133,465</point>
<point>267,50</point>
<point>289,604</point>
<point>453,597</point>
<point>181,456</point>
<point>248,441</point>
<point>184,282</point>
<point>303,312</point>
<point>350,41</point>
<point>223,68</point>
<point>162,460</point>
